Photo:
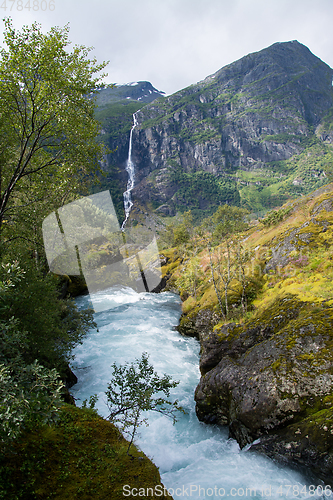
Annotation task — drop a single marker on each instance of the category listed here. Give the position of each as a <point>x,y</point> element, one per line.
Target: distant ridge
<point>134,91</point>
<point>256,133</point>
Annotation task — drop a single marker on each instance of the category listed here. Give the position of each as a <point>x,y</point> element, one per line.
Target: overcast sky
<point>174,43</point>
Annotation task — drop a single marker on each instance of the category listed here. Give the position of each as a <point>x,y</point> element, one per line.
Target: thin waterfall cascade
<point>131,175</point>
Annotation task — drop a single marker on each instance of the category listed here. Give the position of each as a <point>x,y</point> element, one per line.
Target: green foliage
<point>37,334</point>
<point>47,126</point>
<point>226,221</point>
<point>281,138</point>
<point>183,231</point>
<point>275,216</point>
<point>131,392</point>
<point>91,403</point>
<point>228,274</point>
<point>277,182</point>
<point>79,457</point>
<point>54,326</point>
<point>179,231</point>
<point>190,277</point>
<point>30,395</point>
<point>201,190</point>
<point>116,119</point>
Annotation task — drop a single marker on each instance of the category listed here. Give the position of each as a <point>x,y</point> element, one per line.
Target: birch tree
<point>47,127</point>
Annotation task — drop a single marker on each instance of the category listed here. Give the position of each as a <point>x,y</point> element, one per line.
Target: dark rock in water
<point>70,378</point>
<point>308,444</point>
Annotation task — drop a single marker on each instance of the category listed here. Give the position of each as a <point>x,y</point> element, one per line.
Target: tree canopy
<point>131,392</point>
<point>47,125</point>
<point>48,156</point>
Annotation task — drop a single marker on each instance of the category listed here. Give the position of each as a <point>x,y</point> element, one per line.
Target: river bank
<point>267,374</point>
<point>190,453</point>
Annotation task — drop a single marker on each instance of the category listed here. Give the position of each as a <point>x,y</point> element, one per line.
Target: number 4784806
<point>28,5</point>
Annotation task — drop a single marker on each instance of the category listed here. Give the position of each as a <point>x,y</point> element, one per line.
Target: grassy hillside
<point>288,251</point>
<point>261,302</point>
<point>271,185</point>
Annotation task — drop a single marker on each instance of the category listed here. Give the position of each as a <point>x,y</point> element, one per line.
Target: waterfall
<point>131,176</point>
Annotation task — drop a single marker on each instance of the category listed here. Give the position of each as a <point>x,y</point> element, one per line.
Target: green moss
<point>276,365</point>
<point>316,429</point>
<point>187,326</point>
<point>167,269</point>
<point>81,457</point>
<point>306,357</point>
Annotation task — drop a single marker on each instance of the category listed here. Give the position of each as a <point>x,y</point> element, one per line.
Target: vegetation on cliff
<point>267,367</point>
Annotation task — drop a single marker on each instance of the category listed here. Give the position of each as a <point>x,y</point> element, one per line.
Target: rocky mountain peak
<point>142,91</point>
<point>256,133</point>
<point>287,67</point>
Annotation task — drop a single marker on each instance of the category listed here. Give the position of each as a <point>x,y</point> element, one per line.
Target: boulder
<point>273,379</point>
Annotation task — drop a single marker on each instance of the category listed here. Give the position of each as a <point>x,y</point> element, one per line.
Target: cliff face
<point>115,108</point>
<point>250,116</point>
<point>267,370</point>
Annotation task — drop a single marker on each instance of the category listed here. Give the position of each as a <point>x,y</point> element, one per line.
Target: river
<point>195,460</point>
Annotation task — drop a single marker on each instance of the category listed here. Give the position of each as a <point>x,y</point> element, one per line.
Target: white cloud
<point>174,43</point>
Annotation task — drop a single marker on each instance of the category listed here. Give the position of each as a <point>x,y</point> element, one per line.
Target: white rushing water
<point>131,176</point>
<point>195,460</point>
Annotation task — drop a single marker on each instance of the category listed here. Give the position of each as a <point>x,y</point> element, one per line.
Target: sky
<point>174,43</point>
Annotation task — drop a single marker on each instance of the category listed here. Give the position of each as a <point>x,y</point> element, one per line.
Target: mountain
<point>256,133</point>
<point>115,107</point>
<point>134,91</point>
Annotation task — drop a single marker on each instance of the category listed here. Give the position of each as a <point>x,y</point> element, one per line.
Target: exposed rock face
<point>250,113</point>
<point>198,325</point>
<point>115,110</point>
<point>273,378</point>
<point>308,443</point>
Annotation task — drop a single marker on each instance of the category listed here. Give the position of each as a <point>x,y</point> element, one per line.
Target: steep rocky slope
<point>267,373</point>
<point>259,129</point>
<point>115,108</point>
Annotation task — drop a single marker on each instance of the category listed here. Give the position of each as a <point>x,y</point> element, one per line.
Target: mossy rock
<point>270,373</point>
<point>82,456</point>
<point>187,326</point>
<point>198,322</point>
<point>308,443</point>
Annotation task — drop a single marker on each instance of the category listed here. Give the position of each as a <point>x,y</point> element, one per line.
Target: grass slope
<point>82,456</point>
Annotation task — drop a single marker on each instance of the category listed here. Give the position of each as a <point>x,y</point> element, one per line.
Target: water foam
<point>191,453</point>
